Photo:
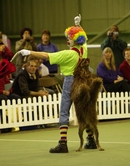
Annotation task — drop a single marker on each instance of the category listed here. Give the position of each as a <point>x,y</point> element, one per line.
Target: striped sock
<point>63,132</point>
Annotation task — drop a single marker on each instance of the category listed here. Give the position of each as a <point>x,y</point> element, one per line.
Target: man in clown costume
<point>67,60</point>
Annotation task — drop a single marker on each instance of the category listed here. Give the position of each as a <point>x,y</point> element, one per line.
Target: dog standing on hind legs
<point>84,94</point>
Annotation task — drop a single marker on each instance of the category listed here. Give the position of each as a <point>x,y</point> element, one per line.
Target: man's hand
<point>119,78</point>
<point>77,20</point>
<point>113,35</point>
<point>39,93</point>
<point>6,92</point>
<point>24,52</point>
<point>43,92</point>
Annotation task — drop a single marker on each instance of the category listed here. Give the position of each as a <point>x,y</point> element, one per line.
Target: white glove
<point>24,52</point>
<point>77,20</point>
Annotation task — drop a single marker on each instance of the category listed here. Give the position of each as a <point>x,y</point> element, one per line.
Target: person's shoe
<point>90,143</point>
<point>60,148</point>
<point>15,129</point>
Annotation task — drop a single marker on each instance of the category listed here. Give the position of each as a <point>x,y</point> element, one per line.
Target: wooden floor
<point>31,148</point>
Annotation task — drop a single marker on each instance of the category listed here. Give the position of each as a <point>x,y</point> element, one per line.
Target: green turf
<point>31,148</point>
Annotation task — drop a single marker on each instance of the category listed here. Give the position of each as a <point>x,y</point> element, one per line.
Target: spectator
<point>125,65</point>
<point>112,78</point>
<point>47,46</point>
<point>26,42</point>
<point>26,84</point>
<point>43,70</point>
<point>117,45</point>
<point>5,40</point>
<point>6,68</point>
<point>5,52</point>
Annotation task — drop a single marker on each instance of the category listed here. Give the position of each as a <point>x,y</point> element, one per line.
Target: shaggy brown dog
<point>84,94</point>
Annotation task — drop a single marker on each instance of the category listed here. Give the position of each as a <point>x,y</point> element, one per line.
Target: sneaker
<point>15,129</point>
<point>60,148</point>
<point>90,143</point>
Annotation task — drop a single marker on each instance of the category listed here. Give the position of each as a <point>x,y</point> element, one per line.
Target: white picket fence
<point>35,111</point>
<point>113,105</point>
<point>43,110</point>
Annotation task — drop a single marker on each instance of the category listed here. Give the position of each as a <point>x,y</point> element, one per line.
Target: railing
<point>43,110</point>
<point>113,105</point>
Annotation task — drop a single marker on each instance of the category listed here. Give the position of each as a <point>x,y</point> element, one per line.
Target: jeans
<point>66,101</point>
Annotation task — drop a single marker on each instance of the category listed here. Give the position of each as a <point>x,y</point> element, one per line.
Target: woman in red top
<point>6,68</point>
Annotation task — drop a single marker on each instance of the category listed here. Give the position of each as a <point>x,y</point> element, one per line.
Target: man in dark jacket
<point>117,45</point>
<point>26,84</point>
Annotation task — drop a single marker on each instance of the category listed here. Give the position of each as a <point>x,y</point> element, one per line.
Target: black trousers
<point>121,86</point>
<point>9,97</point>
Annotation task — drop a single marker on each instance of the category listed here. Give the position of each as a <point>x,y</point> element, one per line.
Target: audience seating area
<point>50,81</point>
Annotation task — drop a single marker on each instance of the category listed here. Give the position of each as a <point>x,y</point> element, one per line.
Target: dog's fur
<point>84,94</point>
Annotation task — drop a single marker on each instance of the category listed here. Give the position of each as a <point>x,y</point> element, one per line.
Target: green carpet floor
<point>31,148</point>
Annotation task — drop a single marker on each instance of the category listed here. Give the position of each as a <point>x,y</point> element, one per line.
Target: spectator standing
<point>47,46</point>
<point>26,42</point>
<point>117,45</point>
<point>112,78</point>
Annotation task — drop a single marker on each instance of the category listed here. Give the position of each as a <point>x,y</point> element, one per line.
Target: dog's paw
<point>99,80</point>
<point>79,150</point>
<point>101,149</point>
<point>95,82</point>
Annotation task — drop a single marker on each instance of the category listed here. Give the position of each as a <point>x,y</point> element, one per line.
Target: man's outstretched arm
<point>42,55</point>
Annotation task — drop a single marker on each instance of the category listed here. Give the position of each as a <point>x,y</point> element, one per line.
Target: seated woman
<point>112,78</point>
<point>125,65</point>
<point>6,68</point>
